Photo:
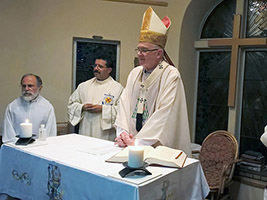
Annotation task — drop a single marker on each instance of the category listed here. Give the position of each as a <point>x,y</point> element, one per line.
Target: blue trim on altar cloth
<point>29,177</point>
<point>24,177</point>
<point>54,188</point>
<point>165,194</point>
<point>57,169</point>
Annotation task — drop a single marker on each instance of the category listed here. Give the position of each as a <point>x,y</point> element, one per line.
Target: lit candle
<point>136,156</point>
<point>26,129</point>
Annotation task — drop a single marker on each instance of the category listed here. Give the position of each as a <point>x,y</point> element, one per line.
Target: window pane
<point>219,24</point>
<point>257,18</point>
<point>254,108</point>
<point>86,54</point>
<point>213,83</point>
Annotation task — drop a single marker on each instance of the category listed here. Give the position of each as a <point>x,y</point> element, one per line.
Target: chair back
<point>219,150</point>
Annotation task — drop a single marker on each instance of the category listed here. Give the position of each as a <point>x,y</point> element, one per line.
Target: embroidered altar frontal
<point>73,166</point>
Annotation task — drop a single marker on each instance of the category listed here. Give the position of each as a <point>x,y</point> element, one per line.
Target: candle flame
<point>27,121</point>
<point>136,143</point>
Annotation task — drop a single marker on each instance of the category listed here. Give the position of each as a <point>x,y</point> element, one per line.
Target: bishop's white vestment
<point>38,111</point>
<point>93,91</point>
<point>164,115</point>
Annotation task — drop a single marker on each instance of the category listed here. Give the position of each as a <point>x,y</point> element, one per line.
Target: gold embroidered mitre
<point>153,29</point>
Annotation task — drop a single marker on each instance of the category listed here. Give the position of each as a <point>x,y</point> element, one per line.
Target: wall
<point>36,36</point>
<point>188,56</point>
<point>12,51</point>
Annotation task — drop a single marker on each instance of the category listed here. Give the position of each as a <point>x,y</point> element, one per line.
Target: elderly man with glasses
<point>152,109</point>
<point>93,105</point>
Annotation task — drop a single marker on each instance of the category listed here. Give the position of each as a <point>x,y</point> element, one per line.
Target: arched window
<point>227,99</point>
<point>214,69</point>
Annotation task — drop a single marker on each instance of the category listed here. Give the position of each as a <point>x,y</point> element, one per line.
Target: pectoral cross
<point>235,43</point>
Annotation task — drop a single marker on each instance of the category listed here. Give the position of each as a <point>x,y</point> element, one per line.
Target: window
<point>85,53</point>
<point>249,113</point>
<point>212,109</point>
<point>214,69</point>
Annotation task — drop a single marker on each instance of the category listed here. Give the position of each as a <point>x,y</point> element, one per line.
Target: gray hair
<point>38,79</point>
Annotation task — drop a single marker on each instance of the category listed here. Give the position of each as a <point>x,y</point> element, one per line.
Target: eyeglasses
<point>144,50</point>
<point>99,66</point>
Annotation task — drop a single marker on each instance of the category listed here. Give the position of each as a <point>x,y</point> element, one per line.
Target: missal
<point>161,155</point>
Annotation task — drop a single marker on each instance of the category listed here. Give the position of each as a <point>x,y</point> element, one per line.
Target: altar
<point>73,166</point>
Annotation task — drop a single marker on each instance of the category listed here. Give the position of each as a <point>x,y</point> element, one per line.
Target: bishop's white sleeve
<point>119,131</point>
<point>148,142</point>
<point>75,108</point>
<point>8,131</point>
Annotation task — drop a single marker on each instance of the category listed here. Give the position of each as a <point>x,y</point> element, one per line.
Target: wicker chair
<point>218,156</point>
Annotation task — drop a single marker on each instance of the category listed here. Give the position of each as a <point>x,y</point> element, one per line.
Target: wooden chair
<point>63,128</point>
<point>218,156</point>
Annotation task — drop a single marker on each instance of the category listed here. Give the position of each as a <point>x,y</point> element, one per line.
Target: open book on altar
<point>161,155</point>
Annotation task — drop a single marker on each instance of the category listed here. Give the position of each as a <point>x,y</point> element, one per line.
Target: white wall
<point>36,36</point>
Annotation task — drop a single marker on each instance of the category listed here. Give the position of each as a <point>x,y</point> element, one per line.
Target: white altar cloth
<point>73,166</point>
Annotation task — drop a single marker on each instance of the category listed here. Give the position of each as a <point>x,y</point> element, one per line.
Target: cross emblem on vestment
<point>235,43</point>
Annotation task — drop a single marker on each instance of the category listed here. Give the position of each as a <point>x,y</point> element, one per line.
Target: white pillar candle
<point>136,156</point>
<point>26,129</point>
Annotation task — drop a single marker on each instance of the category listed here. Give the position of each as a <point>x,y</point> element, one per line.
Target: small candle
<point>26,129</point>
<point>136,156</point>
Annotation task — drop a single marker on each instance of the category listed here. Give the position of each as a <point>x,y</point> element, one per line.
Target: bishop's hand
<point>125,139</point>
